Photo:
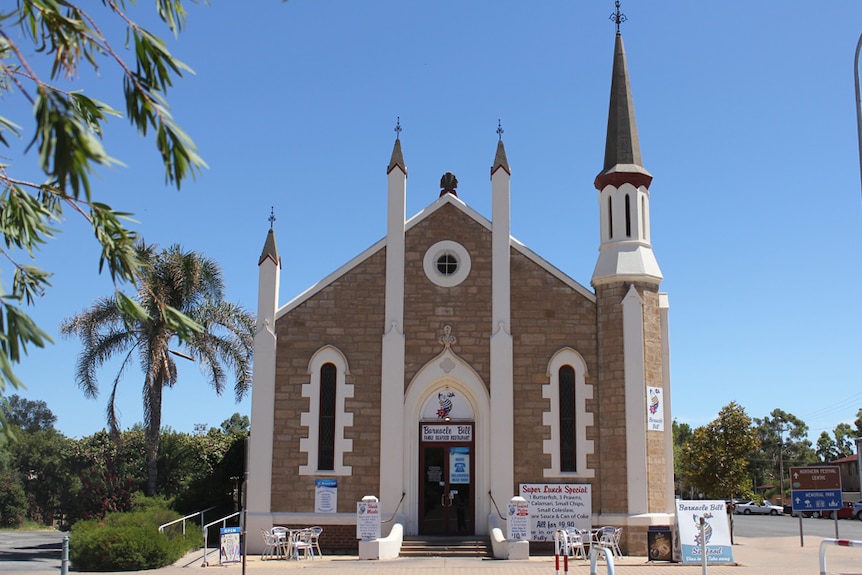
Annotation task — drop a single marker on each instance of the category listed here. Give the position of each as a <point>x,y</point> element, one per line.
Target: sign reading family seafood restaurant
<point>446,432</point>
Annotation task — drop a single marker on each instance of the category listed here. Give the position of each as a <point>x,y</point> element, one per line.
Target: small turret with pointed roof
<point>500,160</point>
<point>270,251</point>
<point>397,159</point>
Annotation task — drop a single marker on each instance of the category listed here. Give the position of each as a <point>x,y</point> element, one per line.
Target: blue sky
<point>746,118</point>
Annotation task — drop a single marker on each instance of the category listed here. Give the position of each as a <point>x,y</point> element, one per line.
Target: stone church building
<point>448,365</point>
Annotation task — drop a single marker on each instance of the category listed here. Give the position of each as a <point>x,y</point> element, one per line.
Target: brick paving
<point>753,556</point>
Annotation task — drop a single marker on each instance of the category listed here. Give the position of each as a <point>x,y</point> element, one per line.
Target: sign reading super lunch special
<point>557,505</point>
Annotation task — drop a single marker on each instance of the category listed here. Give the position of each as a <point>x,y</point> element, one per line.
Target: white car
<point>765,508</point>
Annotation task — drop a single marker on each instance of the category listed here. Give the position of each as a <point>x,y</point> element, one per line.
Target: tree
<point>717,454</point>
<point>65,131</point>
<point>839,445</point>
<point>783,442</point>
<point>29,415</point>
<point>681,436</point>
<point>172,281</point>
<point>237,424</point>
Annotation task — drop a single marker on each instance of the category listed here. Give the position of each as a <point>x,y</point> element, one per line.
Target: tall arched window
<point>568,419</point>
<point>326,433</point>
<point>628,217</point>
<point>327,419</point>
<point>610,217</point>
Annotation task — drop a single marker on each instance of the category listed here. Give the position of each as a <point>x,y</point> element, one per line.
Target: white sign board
<point>557,506</point>
<point>716,531</point>
<point>325,495</point>
<point>368,520</point>
<point>655,409</point>
<point>459,465</point>
<point>447,432</point>
<point>518,520</point>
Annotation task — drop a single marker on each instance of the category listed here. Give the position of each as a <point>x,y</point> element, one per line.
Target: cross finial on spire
<point>271,216</point>
<point>499,130</point>
<point>617,17</point>
<point>397,127</point>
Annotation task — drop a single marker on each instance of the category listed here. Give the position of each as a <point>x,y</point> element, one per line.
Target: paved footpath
<point>753,556</point>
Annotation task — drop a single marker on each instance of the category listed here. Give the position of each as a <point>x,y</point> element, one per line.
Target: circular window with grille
<point>447,263</point>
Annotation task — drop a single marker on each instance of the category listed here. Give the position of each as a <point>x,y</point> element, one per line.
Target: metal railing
<point>184,519</point>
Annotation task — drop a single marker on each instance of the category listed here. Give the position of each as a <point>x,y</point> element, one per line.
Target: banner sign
<point>446,432</point>
<point>716,531</point>
<point>325,495</point>
<point>655,409</point>
<point>557,506</point>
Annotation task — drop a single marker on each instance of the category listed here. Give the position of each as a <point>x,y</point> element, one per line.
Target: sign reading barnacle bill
<point>716,532</point>
<point>557,506</point>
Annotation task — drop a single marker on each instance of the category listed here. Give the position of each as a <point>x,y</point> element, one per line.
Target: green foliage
<point>783,443</point>
<point>717,454</point>
<point>174,284</point>
<point>27,415</point>
<point>64,128</point>
<point>129,541</point>
<point>13,500</point>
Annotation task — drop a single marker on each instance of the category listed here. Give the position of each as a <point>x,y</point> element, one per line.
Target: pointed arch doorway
<point>446,488</point>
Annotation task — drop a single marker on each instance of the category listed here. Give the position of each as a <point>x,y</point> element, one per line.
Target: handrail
<point>183,519</point>
<point>839,542</point>
<point>495,506</point>
<point>205,529</point>
<point>397,507</point>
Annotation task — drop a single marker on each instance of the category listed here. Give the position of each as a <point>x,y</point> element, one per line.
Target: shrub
<point>129,541</point>
<point>13,501</point>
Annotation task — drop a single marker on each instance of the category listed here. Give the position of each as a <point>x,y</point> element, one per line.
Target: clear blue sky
<point>746,118</point>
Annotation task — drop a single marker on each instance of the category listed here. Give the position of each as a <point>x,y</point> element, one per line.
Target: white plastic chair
<point>574,542</point>
<point>609,537</point>
<point>272,549</point>
<point>315,536</point>
<point>301,541</point>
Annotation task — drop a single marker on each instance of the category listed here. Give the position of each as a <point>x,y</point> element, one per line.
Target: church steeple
<point>397,159</point>
<point>622,148</point>
<point>625,253</point>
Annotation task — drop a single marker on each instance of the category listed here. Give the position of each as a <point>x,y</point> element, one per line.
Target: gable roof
<point>416,219</point>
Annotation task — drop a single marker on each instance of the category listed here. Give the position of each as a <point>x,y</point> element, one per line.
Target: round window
<point>447,263</point>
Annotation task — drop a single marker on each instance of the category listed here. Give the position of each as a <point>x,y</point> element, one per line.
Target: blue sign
<point>816,499</point>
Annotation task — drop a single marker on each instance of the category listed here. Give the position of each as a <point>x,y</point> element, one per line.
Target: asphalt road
<point>25,551</point>
<point>785,525</point>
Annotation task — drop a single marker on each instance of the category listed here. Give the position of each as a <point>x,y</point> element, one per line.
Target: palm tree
<point>170,281</point>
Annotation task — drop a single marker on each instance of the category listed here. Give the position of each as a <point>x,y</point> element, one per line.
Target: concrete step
<point>446,547</point>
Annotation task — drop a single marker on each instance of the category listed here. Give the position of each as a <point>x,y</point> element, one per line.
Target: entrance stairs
<point>428,546</point>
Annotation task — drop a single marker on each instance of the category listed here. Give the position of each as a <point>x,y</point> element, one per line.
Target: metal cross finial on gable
<point>397,127</point>
<point>271,216</point>
<point>618,17</point>
<point>499,129</point>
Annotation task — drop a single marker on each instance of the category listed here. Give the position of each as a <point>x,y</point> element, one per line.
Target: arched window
<point>568,419</point>
<point>326,418</point>
<point>628,217</point>
<point>326,433</point>
<point>610,217</point>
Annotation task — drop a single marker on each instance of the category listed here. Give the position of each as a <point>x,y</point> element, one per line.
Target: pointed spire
<point>622,147</point>
<point>397,159</point>
<point>500,160</point>
<point>270,251</point>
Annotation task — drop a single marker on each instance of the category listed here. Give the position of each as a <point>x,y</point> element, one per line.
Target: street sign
<point>815,488</point>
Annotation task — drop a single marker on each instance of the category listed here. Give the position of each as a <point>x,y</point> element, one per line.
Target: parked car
<point>765,508</point>
<point>857,509</point>
<point>846,512</point>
